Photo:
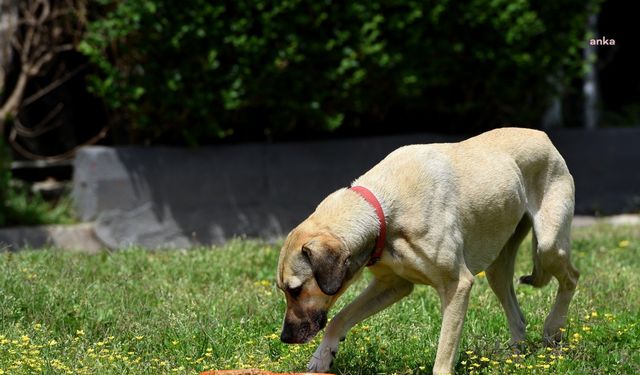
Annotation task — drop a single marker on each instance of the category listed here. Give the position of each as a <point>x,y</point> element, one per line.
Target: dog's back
<point>540,167</point>
<point>532,150</point>
<point>489,183</point>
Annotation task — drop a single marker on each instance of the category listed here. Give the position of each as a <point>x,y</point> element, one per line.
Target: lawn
<point>142,312</point>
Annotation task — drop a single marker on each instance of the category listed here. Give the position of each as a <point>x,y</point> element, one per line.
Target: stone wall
<point>169,197</point>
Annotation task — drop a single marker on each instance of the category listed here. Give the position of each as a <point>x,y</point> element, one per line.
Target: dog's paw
<point>552,338</point>
<point>553,331</point>
<point>518,347</point>
<point>322,359</point>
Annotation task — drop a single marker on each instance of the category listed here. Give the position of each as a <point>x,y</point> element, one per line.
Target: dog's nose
<point>287,335</point>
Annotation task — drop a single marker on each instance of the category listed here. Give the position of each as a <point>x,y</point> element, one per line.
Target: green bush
<point>5,180</point>
<point>19,206</point>
<point>200,70</point>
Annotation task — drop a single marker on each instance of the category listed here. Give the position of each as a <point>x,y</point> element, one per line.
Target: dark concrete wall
<point>605,165</point>
<point>174,197</point>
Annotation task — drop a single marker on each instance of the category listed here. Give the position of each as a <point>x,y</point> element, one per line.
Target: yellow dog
<point>435,214</point>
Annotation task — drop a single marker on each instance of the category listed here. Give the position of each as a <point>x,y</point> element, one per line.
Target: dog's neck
<point>352,220</point>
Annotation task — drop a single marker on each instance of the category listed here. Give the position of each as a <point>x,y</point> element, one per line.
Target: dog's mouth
<point>301,332</point>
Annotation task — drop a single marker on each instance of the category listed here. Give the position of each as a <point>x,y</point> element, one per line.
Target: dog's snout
<point>288,335</point>
<point>296,331</point>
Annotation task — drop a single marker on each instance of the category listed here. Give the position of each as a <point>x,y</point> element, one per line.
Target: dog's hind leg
<point>552,227</point>
<point>500,277</point>
<point>539,276</point>
<point>558,263</point>
<point>380,293</point>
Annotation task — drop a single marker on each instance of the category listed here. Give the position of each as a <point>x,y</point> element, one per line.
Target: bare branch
<point>42,127</point>
<point>63,156</point>
<point>51,86</point>
<point>25,52</point>
<point>44,8</point>
<point>16,44</point>
<point>46,28</point>
<point>10,107</point>
<point>63,48</point>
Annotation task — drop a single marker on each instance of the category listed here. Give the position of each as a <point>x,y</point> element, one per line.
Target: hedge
<point>194,71</point>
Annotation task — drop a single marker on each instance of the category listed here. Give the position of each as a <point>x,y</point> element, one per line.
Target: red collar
<point>382,234</point>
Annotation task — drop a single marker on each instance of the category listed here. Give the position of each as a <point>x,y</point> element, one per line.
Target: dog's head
<point>312,271</point>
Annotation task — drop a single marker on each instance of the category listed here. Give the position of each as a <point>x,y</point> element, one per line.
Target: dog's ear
<point>329,266</point>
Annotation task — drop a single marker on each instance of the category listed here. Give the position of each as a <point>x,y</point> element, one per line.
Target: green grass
<point>140,312</point>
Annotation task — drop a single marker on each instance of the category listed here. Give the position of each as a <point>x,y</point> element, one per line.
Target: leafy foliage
<point>19,206</point>
<point>5,180</point>
<point>201,70</point>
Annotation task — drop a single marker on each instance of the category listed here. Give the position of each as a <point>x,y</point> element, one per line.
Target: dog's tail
<point>539,277</point>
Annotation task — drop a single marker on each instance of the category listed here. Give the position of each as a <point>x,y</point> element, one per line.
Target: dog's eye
<point>295,292</point>
<point>306,252</point>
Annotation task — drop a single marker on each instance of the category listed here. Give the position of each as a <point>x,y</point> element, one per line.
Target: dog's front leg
<point>376,297</point>
<point>455,299</point>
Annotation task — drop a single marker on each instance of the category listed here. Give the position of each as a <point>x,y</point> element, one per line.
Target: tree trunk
<point>590,89</point>
<point>11,105</point>
<point>8,23</point>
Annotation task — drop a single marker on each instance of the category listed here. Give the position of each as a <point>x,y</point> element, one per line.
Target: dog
<point>435,214</point>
